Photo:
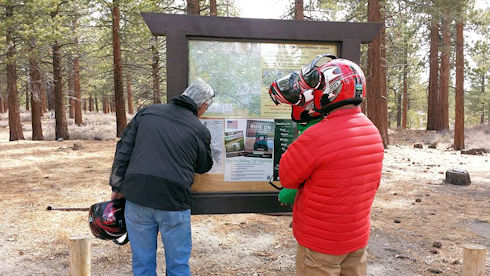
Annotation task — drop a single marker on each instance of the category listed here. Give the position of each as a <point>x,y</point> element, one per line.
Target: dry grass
<point>35,174</point>
<point>96,126</point>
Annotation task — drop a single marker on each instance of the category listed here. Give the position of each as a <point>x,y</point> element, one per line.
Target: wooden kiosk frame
<point>178,29</point>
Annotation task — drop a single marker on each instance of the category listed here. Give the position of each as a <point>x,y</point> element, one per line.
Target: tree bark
<point>405,90</point>
<point>105,106</point>
<point>377,109</point>
<point>36,101</point>
<point>213,11</point>
<point>482,117</point>
<point>27,96</point>
<point>193,7</point>
<point>71,94</point>
<point>459,97</point>
<point>96,104</point>
<point>443,120</point>
<point>299,10</point>
<point>76,79</point>
<point>398,110</point>
<point>2,110</point>
<point>43,96</point>
<point>90,103</point>
<point>118,78</point>
<point>130,95</point>
<point>157,98</point>
<point>61,128</point>
<point>433,105</point>
<point>6,101</point>
<point>113,105</point>
<point>15,124</point>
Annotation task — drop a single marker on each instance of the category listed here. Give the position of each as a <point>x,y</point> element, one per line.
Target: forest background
<point>99,56</point>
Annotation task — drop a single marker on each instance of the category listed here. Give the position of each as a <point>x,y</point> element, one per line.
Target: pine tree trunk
<point>482,117</point>
<point>193,7</point>
<point>398,110</point>
<point>61,128</point>
<point>27,96</point>
<point>77,92</point>
<point>71,94</point>
<point>113,105</point>
<point>118,77</point>
<point>213,11</point>
<point>96,104</point>
<point>76,76</point>
<point>51,97</point>
<point>130,95</point>
<point>2,110</point>
<point>433,105</point>
<point>90,103</point>
<point>105,109</point>
<point>36,101</point>
<point>376,89</point>
<point>6,102</point>
<point>443,119</point>
<point>459,97</point>
<point>15,124</point>
<point>84,103</point>
<point>43,97</point>
<point>405,90</point>
<point>398,95</point>
<point>156,71</point>
<point>299,10</point>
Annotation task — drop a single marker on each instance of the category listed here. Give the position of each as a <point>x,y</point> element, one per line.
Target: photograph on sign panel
<point>234,143</point>
<point>259,139</point>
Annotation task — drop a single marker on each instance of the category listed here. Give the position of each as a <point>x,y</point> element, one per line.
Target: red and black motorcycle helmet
<point>344,84</point>
<point>106,221</point>
<point>290,90</point>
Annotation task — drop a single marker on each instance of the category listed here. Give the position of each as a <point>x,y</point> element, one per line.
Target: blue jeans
<point>143,224</point>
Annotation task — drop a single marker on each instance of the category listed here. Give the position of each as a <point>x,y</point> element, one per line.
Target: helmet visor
<point>288,87</point>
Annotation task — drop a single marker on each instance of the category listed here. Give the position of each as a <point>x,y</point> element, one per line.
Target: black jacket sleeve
<point>204,159</point>
<point>124,149</point>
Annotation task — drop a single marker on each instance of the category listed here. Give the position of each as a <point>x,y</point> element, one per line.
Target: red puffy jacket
<point>339,160</point>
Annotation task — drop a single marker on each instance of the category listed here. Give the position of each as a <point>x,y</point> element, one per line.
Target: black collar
<point>185,102</point>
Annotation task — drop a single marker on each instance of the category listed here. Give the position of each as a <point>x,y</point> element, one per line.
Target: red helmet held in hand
<point>106,220</point>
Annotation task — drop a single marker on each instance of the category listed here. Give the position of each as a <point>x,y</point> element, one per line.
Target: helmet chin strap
<point>122,240</point>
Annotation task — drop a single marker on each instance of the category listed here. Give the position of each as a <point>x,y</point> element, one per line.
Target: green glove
<point>287,196</point>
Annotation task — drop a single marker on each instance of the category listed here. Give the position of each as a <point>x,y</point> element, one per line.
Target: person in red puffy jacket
<point>336,167</point>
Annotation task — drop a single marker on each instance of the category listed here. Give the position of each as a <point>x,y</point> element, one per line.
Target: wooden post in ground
<point>474,257</point>
<point>80,256</point>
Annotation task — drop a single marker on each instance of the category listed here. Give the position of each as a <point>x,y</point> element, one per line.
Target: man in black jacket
<point>154,165</point>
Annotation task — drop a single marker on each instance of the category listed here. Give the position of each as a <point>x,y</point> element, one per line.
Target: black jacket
<point>159,151</point>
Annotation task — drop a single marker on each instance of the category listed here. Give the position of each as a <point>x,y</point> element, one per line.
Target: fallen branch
<point>50,208</point>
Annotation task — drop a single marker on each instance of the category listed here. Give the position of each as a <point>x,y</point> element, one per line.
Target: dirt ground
<point>413,209</point>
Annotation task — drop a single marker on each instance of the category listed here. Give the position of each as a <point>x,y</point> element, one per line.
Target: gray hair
<point>199,91</point>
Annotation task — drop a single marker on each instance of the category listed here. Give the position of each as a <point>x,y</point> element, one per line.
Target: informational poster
<point>249,132</point>
<point>216,127</point>
<point>249,146</point>
<point>285,133</point>
<point>242,72</point>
